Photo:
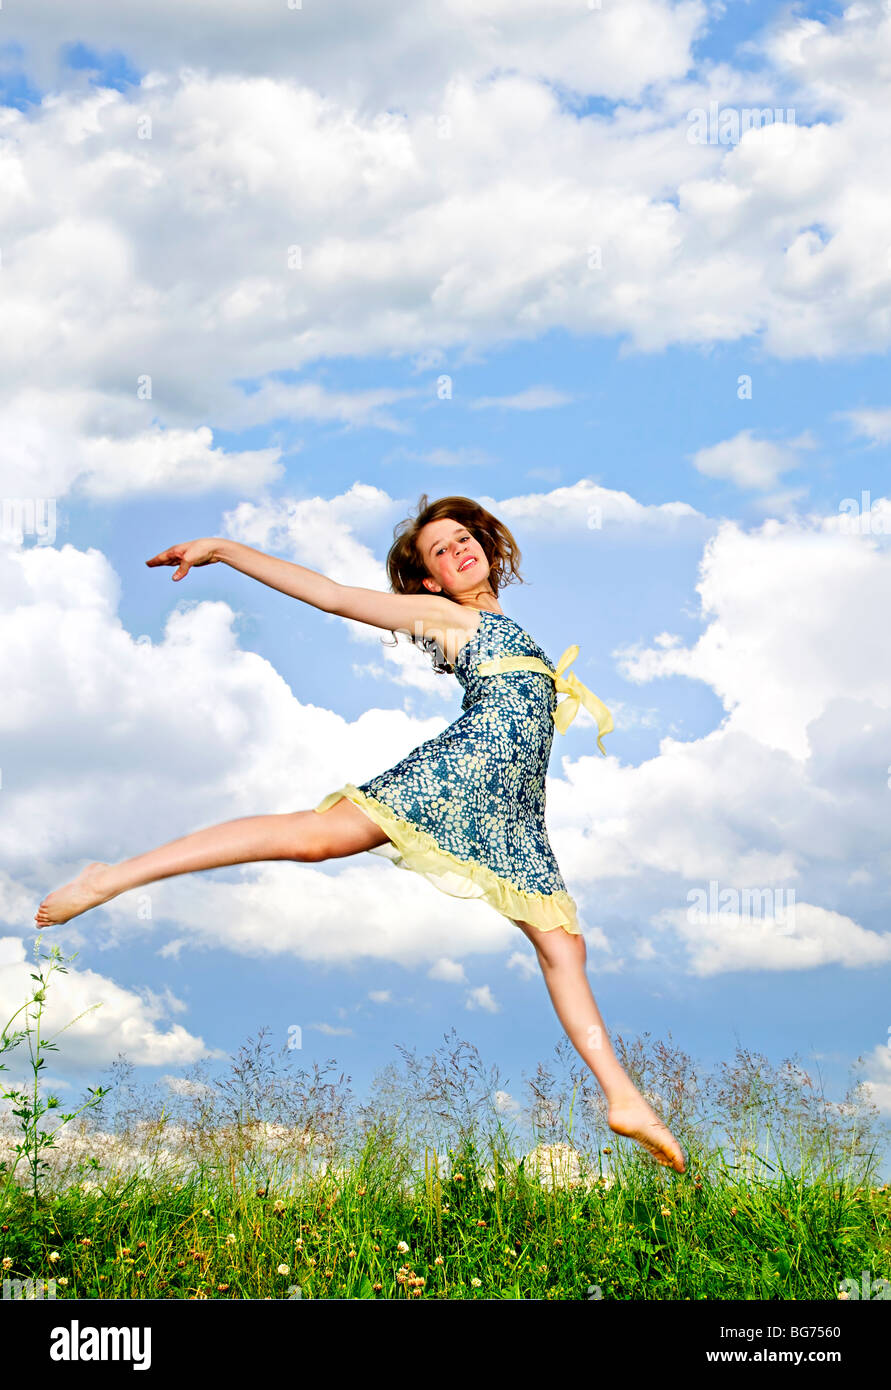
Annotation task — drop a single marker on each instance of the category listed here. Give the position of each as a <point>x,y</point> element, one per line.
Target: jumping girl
<point>465,809</point>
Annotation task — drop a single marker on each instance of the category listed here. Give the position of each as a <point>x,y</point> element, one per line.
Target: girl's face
<point>455,560</point>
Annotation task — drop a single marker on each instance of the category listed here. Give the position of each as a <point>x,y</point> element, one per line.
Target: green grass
<point>273,1181</point>
<point>650,1236</point>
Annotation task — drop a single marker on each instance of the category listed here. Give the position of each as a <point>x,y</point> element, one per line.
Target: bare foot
<point>86,891</point>
<point>635,1119</point>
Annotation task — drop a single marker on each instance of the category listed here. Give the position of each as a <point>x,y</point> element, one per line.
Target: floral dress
<point>466,809</point>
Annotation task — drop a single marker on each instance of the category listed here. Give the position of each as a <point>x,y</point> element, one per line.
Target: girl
<point>465,809</point>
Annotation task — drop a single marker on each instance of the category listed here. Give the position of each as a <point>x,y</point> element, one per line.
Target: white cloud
<point>393,58</point>
<point>533,398</point>
<point>792,614</point>
<point>284,227</point>
<point>746,461</point>
<point>721,942</point>
<point>877,1078</point>
<point>482,998</point>
<point>586,505</point>
<point>873,424</point>
<point>450,971</point>
<point>126,1020</point>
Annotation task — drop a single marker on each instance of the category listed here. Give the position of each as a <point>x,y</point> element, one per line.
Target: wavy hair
<point>406,568</point>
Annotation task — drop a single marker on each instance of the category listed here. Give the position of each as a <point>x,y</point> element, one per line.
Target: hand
<point>190,554</point>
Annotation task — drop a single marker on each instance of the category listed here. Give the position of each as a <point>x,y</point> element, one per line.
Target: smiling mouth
<point>466,564</point>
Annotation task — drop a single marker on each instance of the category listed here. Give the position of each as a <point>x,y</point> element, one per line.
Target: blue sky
<point>720,608</point>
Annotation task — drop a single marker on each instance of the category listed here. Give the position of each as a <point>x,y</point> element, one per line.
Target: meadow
<point>273,1181</point>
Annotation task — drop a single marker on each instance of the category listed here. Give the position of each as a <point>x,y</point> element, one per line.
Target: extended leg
<point>300,835</point>
<point>562,959</point>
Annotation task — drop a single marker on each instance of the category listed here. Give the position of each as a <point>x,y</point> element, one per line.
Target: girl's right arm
<point>432,615</point>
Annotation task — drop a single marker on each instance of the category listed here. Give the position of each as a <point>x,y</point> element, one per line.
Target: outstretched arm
<point>430,614</point>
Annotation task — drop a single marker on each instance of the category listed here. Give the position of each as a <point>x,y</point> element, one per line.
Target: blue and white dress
<point>466,809</point>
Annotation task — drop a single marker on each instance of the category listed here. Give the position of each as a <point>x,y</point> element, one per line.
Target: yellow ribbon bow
<point>578,694</point>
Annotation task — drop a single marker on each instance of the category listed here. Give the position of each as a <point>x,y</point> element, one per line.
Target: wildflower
<point>844,1294</point>
<point>283,1269</point>
<point>125,1250</point>
<point>7,1262</point>
<point>459,1177</point>
<point>278,1205</point>
<point>180,1264</point>
<point>221,1288</point>
<point>140,1245</point>
<point>376,1249</point>
<point>140,1274</point>
<point>439,1260</point>
<point>607,1151</point>
<point>402,1247</point>
<point>299,1243</point>
<point>351,1254</point>
<point>476,1283</point>
<point>445,1208</point>
<point>54,1257</point>
<point>377,1287</point>
<point>231,1238</point>
<point>86,1241</point>
<point>481,1223</point>
<point>4,1229</point>
<point>360,1191</point>
<point>261,1191</point>
<point>665,1211</point>
<point>63,1282</point>
<point>205,1212</point>
<point>733,1211</point>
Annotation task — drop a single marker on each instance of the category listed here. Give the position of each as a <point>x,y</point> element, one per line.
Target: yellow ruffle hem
<point>412,848</point>
<point>409,847</point>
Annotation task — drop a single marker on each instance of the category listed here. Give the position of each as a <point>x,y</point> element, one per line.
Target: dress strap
<point>575,691</point>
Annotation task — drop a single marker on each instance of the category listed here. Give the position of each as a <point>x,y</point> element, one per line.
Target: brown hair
<point>406,568</point>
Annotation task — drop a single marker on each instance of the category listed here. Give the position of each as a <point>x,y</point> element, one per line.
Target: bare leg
<point>302,835</point>
<point>562,960</point>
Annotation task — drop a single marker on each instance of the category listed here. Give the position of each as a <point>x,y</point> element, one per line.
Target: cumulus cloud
<point>586,505</point>
<point>802,938</point>
<point>291,216</point>
<point>390,57</point>
<point>746,461</point>
<point>789,793</point>
<point>125,1020</point>
<point>792,610</point>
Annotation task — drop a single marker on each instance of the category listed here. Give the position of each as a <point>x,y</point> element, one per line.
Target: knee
<point>308,838</point>
<point>561,950</point>
<point>557,948</point>
<point>311,853</point>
